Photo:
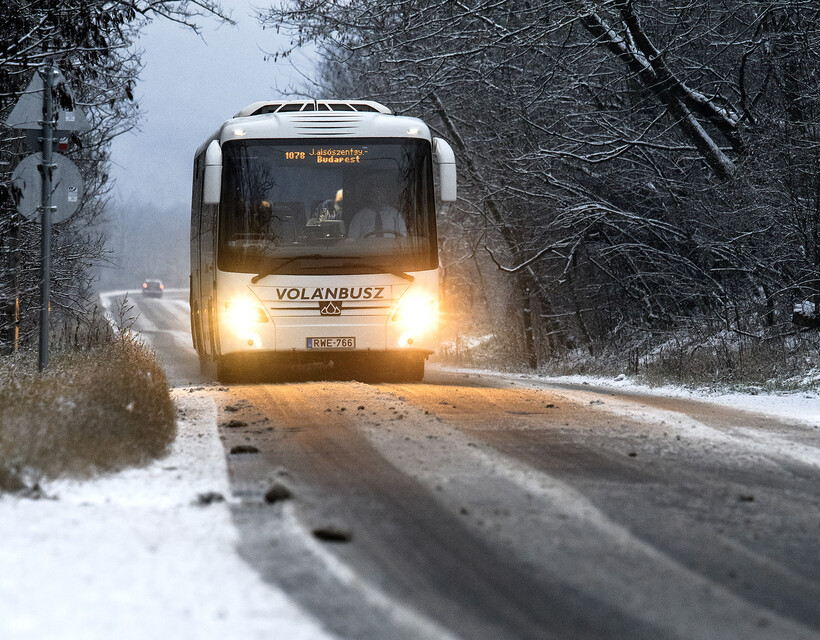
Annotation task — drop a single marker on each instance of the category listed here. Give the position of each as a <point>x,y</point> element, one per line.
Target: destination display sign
<point>327,154</point>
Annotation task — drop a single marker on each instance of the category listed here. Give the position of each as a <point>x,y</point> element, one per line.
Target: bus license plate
<point>331,343</point>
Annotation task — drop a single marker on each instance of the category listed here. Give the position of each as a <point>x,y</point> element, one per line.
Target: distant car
<point>153,288</point>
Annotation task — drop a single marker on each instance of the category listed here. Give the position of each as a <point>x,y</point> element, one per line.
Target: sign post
<point>45,230</point>
<point>55,189</point>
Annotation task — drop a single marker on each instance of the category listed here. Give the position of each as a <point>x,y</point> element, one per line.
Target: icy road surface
<point>473,506</point>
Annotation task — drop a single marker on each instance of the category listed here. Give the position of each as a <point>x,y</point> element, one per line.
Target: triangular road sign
<point>28,112</point>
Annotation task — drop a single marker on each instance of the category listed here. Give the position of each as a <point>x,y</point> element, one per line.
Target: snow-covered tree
<point>634,166</point>
<point>92,43</point>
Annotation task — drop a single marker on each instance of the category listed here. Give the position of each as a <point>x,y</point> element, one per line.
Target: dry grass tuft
<point>700,356</point>
<point>93,410</point>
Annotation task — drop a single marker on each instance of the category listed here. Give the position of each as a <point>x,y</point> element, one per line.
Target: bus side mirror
<point>446,159</point>
<point>212,184</point>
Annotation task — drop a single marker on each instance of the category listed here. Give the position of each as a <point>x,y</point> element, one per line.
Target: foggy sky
<point>188,87</point>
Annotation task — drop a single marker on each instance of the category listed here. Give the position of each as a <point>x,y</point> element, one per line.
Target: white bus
<point>313,239</point>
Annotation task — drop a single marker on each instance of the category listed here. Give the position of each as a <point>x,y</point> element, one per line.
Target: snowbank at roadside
<point>136,555</point>
<point>802,406</point>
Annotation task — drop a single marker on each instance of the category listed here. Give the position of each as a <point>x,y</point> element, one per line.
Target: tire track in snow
<point>558,528</point>
<point>401,615</point>
<point>762,445</point>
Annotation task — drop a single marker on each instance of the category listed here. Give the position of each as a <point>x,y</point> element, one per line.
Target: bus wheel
<point>207,366</point>
<point>409,369</point>
<point>225,371</point>
<point>415,369</point>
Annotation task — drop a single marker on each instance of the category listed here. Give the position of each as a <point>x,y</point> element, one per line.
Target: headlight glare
<point>241,313</point>
<point>417,313</point>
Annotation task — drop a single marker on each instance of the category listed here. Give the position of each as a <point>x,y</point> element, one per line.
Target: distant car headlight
<point>242,313</point>
<point>416,314</point>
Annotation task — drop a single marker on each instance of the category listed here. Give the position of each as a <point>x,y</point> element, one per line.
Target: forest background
<point>93,44</point>
<point>639,179</point>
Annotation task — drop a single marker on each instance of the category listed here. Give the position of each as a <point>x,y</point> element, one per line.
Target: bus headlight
<point>243,313</point>
<point>416,314</point>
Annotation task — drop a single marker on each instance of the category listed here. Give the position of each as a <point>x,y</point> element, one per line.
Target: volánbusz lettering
<point>330,293</point>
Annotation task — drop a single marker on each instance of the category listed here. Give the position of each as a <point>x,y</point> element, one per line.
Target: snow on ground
<point>134,555</point>
<point>799,406</point>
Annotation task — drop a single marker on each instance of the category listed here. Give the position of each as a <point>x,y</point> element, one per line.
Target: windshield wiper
<point>347,265</point>
<point>372,267</point>
<point>277,268</point>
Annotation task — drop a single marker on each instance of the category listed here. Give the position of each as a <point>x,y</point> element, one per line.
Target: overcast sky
<point>189,86</point>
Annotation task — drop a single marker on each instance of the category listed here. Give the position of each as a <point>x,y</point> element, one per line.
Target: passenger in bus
<point>260,217</point>
<point>326,210</point>
<point>272,222</point>
<point>327,215</point>
<point>379,218</point>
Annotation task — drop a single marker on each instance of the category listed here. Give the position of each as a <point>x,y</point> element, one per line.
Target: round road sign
<point>66,187</point>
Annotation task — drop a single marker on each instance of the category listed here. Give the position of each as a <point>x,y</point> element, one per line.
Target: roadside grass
<point>734,361</point>
<point>95,409</point>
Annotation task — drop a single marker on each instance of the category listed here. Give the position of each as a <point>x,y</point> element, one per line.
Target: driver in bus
<point>379,218</point>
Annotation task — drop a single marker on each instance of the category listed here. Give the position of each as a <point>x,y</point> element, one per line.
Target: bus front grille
<point>329,308</point>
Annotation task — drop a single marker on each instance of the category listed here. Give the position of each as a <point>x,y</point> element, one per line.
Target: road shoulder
<point>147,552</point>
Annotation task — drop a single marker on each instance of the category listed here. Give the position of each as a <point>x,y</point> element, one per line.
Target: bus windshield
<point>319,206</point>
